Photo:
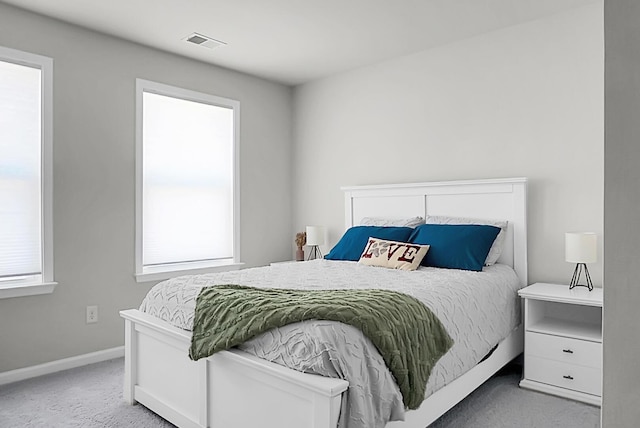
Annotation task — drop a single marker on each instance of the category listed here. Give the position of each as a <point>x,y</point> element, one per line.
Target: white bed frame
<point>232,389</point>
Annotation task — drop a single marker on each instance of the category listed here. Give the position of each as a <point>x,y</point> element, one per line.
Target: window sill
<point>159,273</point>
<point>21,290</point>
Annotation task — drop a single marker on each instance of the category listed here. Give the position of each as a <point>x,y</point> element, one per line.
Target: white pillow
<point>498,243</point>
<point>392,221</point>
<point>392,254</point>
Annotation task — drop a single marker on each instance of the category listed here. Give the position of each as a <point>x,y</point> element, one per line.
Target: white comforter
<point>478,309</point>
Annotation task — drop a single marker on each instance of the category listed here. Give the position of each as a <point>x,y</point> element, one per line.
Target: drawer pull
<point>568,377</point>
<point>568,351</point>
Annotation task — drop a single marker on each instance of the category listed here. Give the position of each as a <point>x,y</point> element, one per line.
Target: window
<point>186,191</point>
<point>26,109</point>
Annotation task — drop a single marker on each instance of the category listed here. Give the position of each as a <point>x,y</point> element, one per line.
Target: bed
<point>234,388</point>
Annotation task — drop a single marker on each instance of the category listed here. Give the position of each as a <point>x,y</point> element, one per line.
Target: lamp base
<point>575,279</point>
<point>315,253</point>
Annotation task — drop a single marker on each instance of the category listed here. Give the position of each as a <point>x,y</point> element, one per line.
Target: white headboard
<point>497,199</point>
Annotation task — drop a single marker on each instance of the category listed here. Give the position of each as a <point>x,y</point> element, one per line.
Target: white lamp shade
<point>315,235</point>
<point>581,247</point>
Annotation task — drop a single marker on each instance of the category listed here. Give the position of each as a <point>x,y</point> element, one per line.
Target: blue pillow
<point>455,246</point>
<point>352,243</point>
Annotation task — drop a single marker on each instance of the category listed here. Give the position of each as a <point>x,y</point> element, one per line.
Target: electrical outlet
<point>92,314</point>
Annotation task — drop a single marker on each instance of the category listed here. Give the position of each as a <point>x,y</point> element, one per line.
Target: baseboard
<point>59,365</point>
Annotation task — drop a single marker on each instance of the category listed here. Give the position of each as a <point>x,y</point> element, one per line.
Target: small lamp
<point>315,238</point>
<point>581,248</point>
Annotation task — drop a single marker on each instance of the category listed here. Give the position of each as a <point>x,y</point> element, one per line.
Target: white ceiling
<point>295,41</point>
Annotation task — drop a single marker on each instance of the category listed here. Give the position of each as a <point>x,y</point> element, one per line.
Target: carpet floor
<point>91,397</point>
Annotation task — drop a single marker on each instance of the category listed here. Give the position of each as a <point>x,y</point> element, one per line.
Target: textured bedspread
<point>478,310</point>
<point>408,336</point>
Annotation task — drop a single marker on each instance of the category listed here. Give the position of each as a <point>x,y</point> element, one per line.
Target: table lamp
<point>581,248</point>
<point>315,238</point>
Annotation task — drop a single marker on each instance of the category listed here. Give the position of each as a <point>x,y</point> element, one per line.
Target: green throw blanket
<point>408,335</point>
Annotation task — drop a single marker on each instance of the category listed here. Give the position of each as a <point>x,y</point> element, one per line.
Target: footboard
<point>228,389</point>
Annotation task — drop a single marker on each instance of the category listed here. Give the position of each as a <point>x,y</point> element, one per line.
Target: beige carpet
<point>88,397</point>
<point>91,396</point>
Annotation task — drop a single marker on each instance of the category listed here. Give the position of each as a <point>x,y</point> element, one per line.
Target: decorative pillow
<point>392,221</point>
<point>392,254</point>
<point>455,246</point>
<point>498,244</point>
<point>352,243</point>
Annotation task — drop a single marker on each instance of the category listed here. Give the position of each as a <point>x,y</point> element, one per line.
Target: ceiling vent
<point>207,42</point>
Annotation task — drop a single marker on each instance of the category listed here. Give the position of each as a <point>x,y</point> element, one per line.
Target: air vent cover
<point>201,40</point>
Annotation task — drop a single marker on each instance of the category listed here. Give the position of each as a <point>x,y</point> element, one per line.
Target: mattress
<point>478,310</point>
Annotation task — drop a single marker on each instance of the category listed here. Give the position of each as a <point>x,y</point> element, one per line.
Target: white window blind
<point>188,185</point>
<point>20,170</point>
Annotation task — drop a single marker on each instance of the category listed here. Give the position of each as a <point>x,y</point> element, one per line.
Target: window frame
<point>43,283</point>
<point>168,270</point>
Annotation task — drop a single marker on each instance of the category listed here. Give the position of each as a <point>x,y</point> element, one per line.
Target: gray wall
<point>523,101</point>
<point>621,393</point>
<point>93,155</point>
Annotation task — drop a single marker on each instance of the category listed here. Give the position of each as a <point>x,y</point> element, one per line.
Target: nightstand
<point>563,341</point>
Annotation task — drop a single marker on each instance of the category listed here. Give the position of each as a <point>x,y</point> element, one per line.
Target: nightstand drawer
<point>564,349</point>
<point>564,375</point>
